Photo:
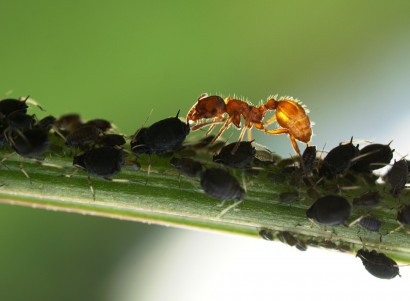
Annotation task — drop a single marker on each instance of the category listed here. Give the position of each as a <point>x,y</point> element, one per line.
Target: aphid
<point>69,122</point>
<point>338,160</point>
<point>31,143</point>
<point>102,124</point>
<point>219,184</point>
<point>47,122</point>
<point>301,246</point>
<point>103,162</point>
<point>397,177</point>
<point>367,200</point>
<point>83,135</point>
<point>8,106</point>
<point>309,157</point>
<point>19,120</point>
<point>287,238</point>
<point>187,166</point>
<point>242,158</point>
<point>370,223</point>
<point>290,115</point>
<point>162,137</point>
<point>331,210</point>
<point>266,234</point>
<point>372,157</point>
<point>288,196</point>
<point>378,264</point>
<point>291,240</point>
<point>403,215</point>
<point>112,140</point>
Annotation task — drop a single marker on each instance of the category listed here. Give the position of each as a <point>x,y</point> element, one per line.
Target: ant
<point>290,115</point>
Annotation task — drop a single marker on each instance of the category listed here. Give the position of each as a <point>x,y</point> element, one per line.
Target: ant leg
<point>222,129</point>
<point>295,145</point>
<point>198,126</point>
<point>239,140</point>
<point>270,120</point>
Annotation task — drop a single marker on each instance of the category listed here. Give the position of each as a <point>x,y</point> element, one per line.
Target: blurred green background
<point>348,61</point>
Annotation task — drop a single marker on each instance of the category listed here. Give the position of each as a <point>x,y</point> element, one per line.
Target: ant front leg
<point>223,128</point>
<point>269,121</point>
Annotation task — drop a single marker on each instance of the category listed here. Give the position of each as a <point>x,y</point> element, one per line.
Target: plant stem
<point>172,201</point>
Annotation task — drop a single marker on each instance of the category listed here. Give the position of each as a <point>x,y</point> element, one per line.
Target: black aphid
<point>162,137</point>
<point>69,122</point>
<point>187,166</point>
<point>18,120</point>
<point>103,162</point>
<point>309,158</point>
<point>83,135</point>
<point>370,223</point>
<point>102,124</point>
<point>8,106</point>
<point>301,246</point>
<point>219,184</point>
<point>47,122</point>
<point>372,157</point>
<point>403,215</point>
<point>338,160</point>
<point>367,200</point>
<point>397,176</point>
<point>266,234</point>
<point>241,158</point>
<point>288,196</point>
<point>31,143</point>
<point>112,140</point>
<point>331,210</point>
<point>378,264</point>
<point>287,238</point>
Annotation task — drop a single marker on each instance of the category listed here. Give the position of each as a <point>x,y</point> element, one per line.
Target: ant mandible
<point>290,115</point>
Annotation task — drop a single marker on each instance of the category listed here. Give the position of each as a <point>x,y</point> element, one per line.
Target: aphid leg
<point>7,157</point>
<point>397,229</point>
<point>223,212</point>
<point>23,171</point>
<point>148,170</point>
<point>91,186</point>
<point>73,173</point>
<point>355,221</point>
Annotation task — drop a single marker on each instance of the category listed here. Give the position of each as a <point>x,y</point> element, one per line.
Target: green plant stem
<point>170,200</point>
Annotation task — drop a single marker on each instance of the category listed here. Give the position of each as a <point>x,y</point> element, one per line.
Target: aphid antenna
<point>49,164</point>
<point>34,103</point>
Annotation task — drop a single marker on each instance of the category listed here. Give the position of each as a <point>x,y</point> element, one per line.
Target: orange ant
<point>290,115</point>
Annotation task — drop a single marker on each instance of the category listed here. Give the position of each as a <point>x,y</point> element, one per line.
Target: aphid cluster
<point>307,181</point>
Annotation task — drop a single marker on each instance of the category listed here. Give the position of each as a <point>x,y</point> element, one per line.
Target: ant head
<point>271,104</point>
